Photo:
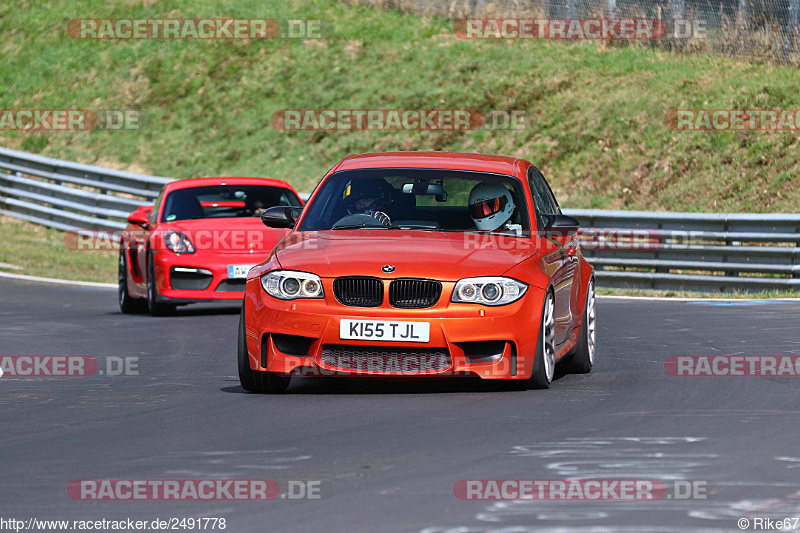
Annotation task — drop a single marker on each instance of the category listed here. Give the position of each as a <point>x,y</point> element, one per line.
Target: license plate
<point>238,271</point>
<point>384,330</point>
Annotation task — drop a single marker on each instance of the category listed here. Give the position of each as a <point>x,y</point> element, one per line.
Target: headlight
<point>178,242</point>
<point>488,291</point>
<point>288,284</point>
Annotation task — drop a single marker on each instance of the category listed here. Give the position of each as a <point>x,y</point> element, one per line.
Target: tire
<point>586,348</point>
<point>127,304</point>
<point>256,381</point>
<point>544,363</point>
<point>155,307</point>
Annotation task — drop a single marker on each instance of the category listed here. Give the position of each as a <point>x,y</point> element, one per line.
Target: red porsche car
<point>198,241</point>
<point>420,264</point>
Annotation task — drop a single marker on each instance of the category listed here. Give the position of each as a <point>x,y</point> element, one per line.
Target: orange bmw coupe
<point>423,264</point>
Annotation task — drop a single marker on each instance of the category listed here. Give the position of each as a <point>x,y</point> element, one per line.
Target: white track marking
<point>58,281</point>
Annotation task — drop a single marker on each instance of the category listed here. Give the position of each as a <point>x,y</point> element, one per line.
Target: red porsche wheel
<point>127,304</point>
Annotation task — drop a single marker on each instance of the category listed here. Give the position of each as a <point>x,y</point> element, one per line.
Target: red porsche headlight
<point>179,243</point>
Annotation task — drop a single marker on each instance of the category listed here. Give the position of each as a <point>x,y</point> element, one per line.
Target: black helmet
<point>355,191</point>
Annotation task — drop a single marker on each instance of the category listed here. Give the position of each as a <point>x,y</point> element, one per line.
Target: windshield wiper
<point>417,228</point>
<point>364,226</point>
<point>509,233</point>
<point>400,227</point>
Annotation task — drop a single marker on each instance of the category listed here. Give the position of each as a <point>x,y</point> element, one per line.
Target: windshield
<point>421,199</point>
<point>225,201</point>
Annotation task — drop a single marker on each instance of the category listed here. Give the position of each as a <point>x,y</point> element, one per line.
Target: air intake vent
<point>358,291</point>
<point>384,359</point>
<point>190,278</point>
<point>414,293</point>
<point>232,285</point>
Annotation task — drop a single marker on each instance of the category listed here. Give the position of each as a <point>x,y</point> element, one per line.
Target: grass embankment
<point>596,125</point>
<point>34,250</point>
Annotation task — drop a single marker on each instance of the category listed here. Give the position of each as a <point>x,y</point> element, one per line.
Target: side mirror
<point>562,225</point>
<point>141,217</point>
<point>281,216</point>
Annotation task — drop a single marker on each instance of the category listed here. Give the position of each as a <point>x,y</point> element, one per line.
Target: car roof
<point>228,180</point>
<point>450,160</point>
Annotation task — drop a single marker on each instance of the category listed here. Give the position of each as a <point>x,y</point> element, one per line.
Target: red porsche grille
<point>386,358</point>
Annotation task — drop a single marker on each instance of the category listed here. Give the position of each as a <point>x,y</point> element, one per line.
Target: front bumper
<point>185,278</point>
<point>302,337</point>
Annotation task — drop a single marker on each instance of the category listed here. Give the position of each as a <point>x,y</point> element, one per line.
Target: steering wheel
<point>381,217</point>
<point>369,219</point>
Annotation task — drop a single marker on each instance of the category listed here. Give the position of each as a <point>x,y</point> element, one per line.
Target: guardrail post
<point>55,170</point>
<point>660,228</point>
<point>796,255</point>
<point>729,242</point>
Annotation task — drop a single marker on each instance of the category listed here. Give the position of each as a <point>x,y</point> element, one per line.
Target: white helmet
<point>490,205</point>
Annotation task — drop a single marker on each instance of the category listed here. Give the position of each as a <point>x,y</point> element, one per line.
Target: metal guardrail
<point>693,251</point>
<point>70,196</point>
<point>632,249</point>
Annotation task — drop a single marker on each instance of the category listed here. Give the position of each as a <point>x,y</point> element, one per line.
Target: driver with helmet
<point>368,197</point>
<point>491,207</point>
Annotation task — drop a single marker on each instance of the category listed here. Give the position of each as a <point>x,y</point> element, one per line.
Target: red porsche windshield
<point>224,201</point>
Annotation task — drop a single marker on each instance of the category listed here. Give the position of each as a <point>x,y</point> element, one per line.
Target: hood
<point>228,235</point>
<point>416,254</point>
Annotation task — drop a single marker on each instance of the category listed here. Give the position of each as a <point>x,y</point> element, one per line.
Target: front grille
<point>414,293</point>
<point>358,291</point>
<point>384,359</point>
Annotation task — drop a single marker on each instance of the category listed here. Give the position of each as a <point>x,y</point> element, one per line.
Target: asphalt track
<point>390,453</point>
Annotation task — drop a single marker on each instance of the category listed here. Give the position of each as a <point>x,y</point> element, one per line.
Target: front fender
<point>532,271</point>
